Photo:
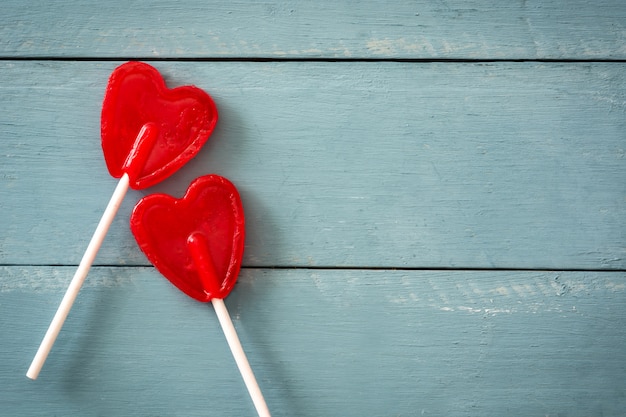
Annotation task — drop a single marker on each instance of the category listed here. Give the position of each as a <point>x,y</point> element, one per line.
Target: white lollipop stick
<point>240,357</point>
<point>79,277</point>
<point>133,164</point>
<point>200,253</point>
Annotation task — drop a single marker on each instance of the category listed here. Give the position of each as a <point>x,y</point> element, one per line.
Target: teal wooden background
<point>435,196</point>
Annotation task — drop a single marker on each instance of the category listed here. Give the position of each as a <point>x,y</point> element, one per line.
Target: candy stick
<point>240,357</point>
<point>136,158</point>
<point>79,278</point>
<point>200,254</point>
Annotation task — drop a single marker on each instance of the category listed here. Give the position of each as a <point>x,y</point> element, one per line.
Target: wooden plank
<point>508,165</point>
<point>322,342</point>
<point>539,29</point>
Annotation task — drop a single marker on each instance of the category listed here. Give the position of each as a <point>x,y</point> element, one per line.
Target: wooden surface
<point>490,29</point>
<point>435,198</point>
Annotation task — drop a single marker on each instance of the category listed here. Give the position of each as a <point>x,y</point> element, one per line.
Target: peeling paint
<point>389,46</point>
<point>55,279</point>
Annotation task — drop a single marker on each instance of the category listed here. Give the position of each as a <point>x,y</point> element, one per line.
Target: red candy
<point>177,122</point>
<point>197,241</point>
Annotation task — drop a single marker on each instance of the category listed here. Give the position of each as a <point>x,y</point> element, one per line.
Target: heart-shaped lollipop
<point>148,132</point>
<point>197,241</point>
<point>182,119</point>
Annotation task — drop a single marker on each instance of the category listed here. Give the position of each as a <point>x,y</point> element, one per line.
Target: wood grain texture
<point>553,29</point>
<point>344,343</point>
<point>363,165</point>
<point>508,165</point>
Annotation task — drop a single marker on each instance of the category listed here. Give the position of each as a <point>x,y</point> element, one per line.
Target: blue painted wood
<point>322,342</point>
<point>341,164</point>
<point>508,165</point>
<point>552,29</point>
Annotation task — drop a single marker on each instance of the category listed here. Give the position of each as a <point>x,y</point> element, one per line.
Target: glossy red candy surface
<point>197,241</point>
<point>181,120</point>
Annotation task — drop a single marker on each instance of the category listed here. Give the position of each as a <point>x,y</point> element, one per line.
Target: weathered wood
<point>345,343</point>
<point>508,165</point>
<point>540,29</point>
<point>340,164</point>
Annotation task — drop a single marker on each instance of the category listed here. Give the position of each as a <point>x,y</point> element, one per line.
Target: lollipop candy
<point>197,243</point>
<point>148,132</point>
<point>180,122</point>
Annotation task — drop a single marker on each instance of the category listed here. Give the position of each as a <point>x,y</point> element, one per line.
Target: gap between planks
<point>346,268</point>
<point>311,59</point>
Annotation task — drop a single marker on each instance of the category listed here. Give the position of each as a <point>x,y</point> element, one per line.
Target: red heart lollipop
<point>181,119</point>
<point>197,241</point>
<point>148,132</point>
